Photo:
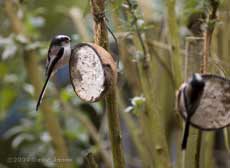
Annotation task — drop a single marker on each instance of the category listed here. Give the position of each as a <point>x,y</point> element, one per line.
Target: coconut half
<point>92,71</point>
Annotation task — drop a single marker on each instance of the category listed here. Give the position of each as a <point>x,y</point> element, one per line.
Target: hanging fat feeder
<point>213,111</point>
<point>92,71</point>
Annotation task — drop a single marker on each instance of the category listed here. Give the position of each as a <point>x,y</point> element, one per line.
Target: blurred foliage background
<point>152,50</point>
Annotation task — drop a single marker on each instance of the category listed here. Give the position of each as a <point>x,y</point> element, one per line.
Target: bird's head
<point>61,41</point>
<point>197,81</point>
<point>58,53</point>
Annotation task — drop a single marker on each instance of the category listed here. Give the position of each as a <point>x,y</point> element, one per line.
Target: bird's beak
<point>50,69</point>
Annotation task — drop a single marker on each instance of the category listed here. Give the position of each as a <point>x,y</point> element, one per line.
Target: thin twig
<point>138,31</point>
<point>211,21</point>
<point>116,43</point>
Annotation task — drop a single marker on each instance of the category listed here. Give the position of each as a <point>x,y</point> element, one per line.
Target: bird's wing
<point>194,105</point>
<point>52,53</point>
<point>186,103</point>
<point>54,60</point>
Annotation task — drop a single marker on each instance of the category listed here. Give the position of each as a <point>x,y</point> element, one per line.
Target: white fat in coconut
<point>89,74</point>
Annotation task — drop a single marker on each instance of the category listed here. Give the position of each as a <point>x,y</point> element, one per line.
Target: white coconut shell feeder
<point>92,71</point>
<point>214,109</point>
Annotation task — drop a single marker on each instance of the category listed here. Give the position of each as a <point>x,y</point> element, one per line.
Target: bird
<point>58,55</point>
<point>189,97</point>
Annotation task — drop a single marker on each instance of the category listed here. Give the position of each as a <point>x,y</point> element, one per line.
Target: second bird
<point>189,97</point>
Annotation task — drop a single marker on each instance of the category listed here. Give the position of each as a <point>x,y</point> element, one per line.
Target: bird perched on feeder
<point>58,55</point>
<point>188,98</point>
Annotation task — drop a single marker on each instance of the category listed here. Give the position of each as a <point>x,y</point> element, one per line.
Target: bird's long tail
<point>186,134</point>
<point>42,93</point>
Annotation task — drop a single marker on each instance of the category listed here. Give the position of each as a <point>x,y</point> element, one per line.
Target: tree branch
<point>101,38</point>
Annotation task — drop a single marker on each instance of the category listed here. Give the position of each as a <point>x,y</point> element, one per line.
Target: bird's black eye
<point>66,39</point>
<point>56,42</point>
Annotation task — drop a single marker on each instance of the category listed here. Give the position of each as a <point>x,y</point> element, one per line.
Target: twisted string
<point>100,17</point>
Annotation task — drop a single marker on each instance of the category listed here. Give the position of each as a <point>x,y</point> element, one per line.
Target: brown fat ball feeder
<point>92,71</point>
<point>213,111</point>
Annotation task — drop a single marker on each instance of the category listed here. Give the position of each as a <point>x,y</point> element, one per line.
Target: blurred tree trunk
<point>174,41</point>
<point>34,75</point>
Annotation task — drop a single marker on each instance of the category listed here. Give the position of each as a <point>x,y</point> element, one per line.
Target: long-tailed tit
<point>58,55</point>
<point>189,97</point>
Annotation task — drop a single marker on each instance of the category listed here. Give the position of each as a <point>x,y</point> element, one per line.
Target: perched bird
<point>58,55</point>
<point>189,97</point>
